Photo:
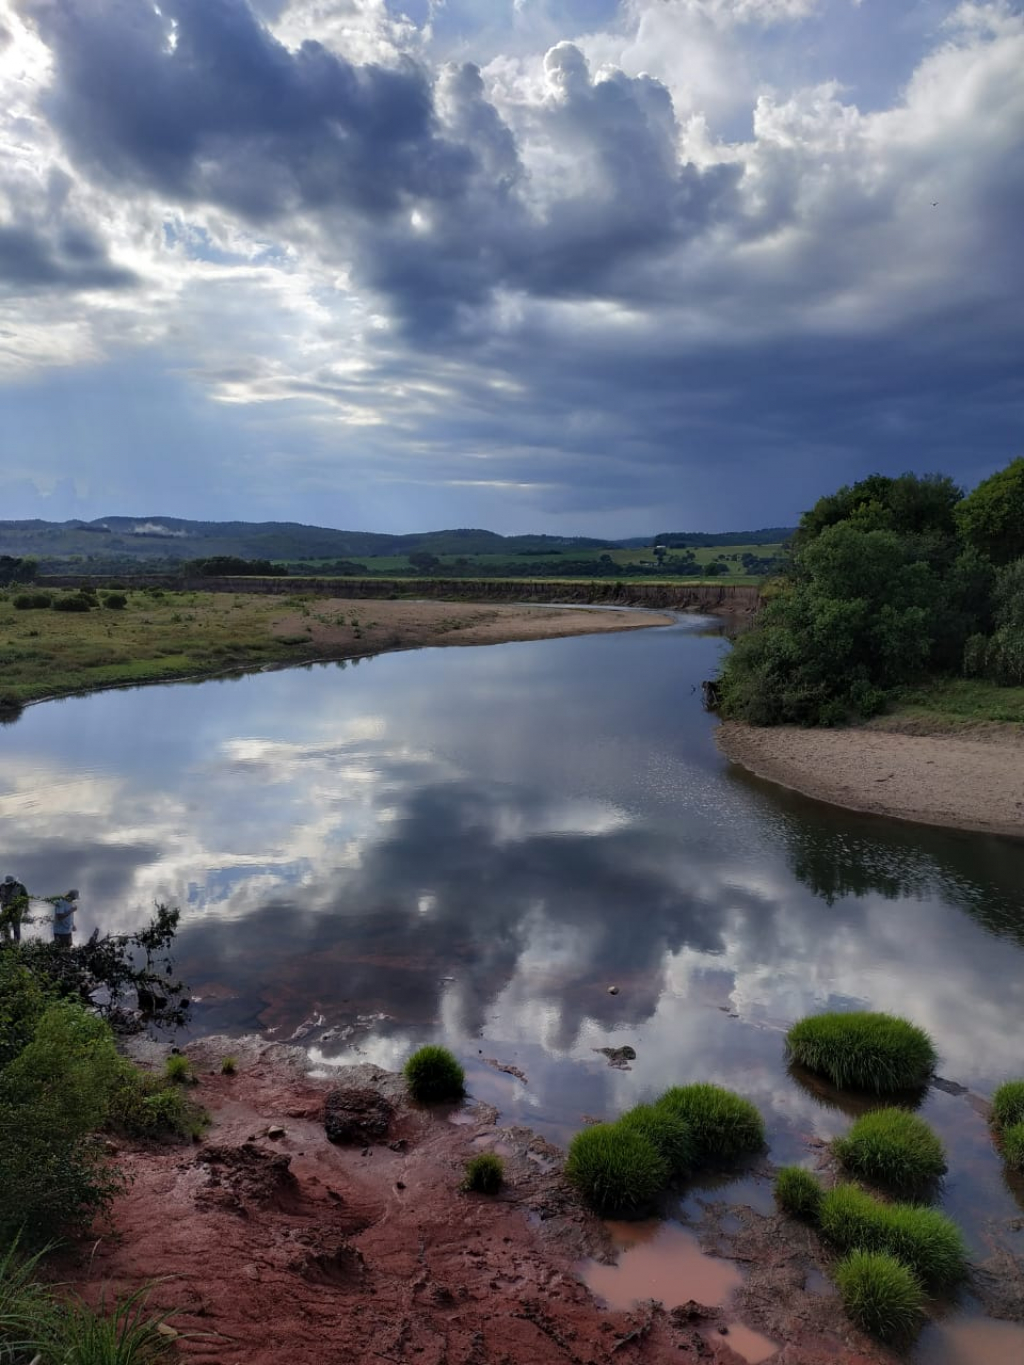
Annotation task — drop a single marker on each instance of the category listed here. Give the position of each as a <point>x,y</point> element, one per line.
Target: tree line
<point>886,582</point>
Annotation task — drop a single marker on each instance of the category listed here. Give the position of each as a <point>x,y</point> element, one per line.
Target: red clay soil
<point>277,1246</point>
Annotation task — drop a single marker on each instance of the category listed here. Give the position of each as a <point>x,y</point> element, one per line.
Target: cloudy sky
<point>579,266</point>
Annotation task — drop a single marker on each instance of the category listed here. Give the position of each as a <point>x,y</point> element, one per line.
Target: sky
<point>595,267</point>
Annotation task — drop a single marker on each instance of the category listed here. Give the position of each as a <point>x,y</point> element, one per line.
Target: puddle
<point>660,1261</point>
<point>751,1345</point>
<point>977,1341</point>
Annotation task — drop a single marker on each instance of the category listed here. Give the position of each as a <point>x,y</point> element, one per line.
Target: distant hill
<point>127,540</point>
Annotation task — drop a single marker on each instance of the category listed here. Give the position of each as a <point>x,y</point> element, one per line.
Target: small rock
<point>613,990</point>
<point>399,1184</point>
<point>399,1145</point>
<point>275,1131</point>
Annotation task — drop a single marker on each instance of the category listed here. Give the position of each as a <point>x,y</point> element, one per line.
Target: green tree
<point>991,519</point>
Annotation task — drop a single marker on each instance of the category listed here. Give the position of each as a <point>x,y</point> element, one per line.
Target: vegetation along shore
<point>886,671</point>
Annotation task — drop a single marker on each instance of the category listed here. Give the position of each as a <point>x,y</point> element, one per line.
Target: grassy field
<point>957,702</point>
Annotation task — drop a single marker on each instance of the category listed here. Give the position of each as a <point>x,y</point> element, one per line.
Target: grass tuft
<point>144,1105</point>
<point>723,1125</point>
<point>228,1066</point>
<point>178,1069</point>
<point>433,1075</point>
<point>798,1193</point>
<point>863,1051</point>
<point>670,1136</point>
<point>880,1295</point>
<point>26,1309</point>
<point>1012,1142</point>
<point>893,1148</point>
<point>617,1170</point>
<point>484,1174</point>
<point>926,1241</point>
<point>1008,1104</point>
<point>125,1334</point>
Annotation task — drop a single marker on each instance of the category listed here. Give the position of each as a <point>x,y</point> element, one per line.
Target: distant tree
<point>991,519</point>
<point>225,566</point>
<point>423,561</point>
<point>16,570</point>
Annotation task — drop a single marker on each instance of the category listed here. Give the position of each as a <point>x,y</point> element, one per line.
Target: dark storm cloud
<point>70,259</point>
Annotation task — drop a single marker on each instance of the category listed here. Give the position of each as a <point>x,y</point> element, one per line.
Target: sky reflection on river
<point>476,843</point>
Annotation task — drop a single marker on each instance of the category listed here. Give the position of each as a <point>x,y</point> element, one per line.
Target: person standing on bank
<point>64,908</point>
<point>13,900</point>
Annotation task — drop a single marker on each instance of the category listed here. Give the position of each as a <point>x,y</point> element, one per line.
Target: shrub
<point>178,1069</point>
<point>79,601</point>
<point>144,1105</point>
<point>484,1174</point>
<point>670,1136</point>
<point>433,1074</point>
<point>926,1241</point>
<point>723,1125</point>
<point>892,1147</point>
<point>880,1294</point>
<point>798,1193</point>
<point>31,601</point>
<point>1012,1142</point>
<point>1008,1104</point>
<point>115,601</point>
<point>617,1170</point>
<point>863,1051</point>
<point>228,1066</point>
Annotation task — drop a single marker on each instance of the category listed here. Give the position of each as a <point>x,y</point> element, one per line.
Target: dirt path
<point>973,781</point>
<point>278,1246</point>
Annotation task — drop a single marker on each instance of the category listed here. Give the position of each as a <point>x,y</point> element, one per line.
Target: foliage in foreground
<point>926,1241</point>
<point>484,1174</point>
<point>1012,1143</point>
<point>894,1148</point>
<point>723,1125</point>
<point>670,1135</point>
<point>617,1170</point>
<point>880,1295</point>
<point>798,1193</point>
<point>1008,1104</point>
<point>863,1051</point>
<point>433,1075</point>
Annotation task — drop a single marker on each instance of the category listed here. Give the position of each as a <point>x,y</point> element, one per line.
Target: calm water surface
<point>473,844</point>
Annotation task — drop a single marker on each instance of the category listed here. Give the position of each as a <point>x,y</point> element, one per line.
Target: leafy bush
<point>863,1051</point>
<point>670,1135</point>
<point>76,602</point>
<point>894,1148</point>
<point>178,1069</point>
<point>1008,1104</point>
<point>31,601</point>
<point>144,1105</point>
<point>722,1125</point>
<point>115,601</point>
<point>1012,1142</point>
<point>880,1295</point>
<point>433,1075</point>
<point>484,1174</point>
<point>798,1193</point>
<point>617,1170</point>
<point>926,1241</point>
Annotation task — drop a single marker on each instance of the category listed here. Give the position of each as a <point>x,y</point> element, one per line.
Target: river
<point>474,845</point>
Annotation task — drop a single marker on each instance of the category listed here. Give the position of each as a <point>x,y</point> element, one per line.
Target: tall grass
<point>484,1173</point>
<point>1012,1140</point>
<point>880,1295</point>
<point>863,1051</point>
<point>1008,1104</point>
<point>723,1125</point>
<point>26,1307</point>
<point>798,1193</point>
<point>893,1148</point>
<point>126,1334</point>
<point>433,1074</point>
<point>670,1135</point>
<point>617,1170</point>
<point>926,1241</point>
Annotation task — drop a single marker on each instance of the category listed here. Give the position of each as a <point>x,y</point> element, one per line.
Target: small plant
<point>798,1193</point>
<point>484,1174</point>
<point>228,1066</point>
<point>671,1136</point>
<point>178,1069</point>
<point>723,1125</point>
<point>125,1334</point>
<point>894,1148</point>
<point>880,1295</point>
<point>1012,1142</point>
<point>1008,1104</point>
<point>433,1075</point>
<point>26,1310</point>
<point>926,1241</point>
<point>617,1170</point>
<point>863,1051</point>
<point>115,601</point>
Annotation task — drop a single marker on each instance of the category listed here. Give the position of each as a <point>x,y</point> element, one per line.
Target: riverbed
<point>475,846</point>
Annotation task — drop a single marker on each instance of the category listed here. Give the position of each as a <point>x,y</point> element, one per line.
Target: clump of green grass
<point>863,1051</point>
<point>144,1105</point>
<point>617,1170</point>
<point>484,1174</point>
<point>894,1148</point>
<point>670,1136</point>
<point>228,1066</point>
<point>125,1334</point>
<point>798,1193</point>
<point>723,1125</point>
<point>178,1069</point>
<point>880,1295</point>
<point>1008,1104</point>
<point>1012,1142</point>
<point>433,1075</point>
<point>26,1309</point>
<point>926,1241</point>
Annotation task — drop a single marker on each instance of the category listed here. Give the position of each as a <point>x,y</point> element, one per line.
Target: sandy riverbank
<point>278,1245</point>
<point>973,780</point>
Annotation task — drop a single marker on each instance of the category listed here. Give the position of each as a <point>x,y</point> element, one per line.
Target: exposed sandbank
<point>971,781</point>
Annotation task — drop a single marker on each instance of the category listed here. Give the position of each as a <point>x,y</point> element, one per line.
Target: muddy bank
<point>971,782</point>
<point>278,1245</point>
